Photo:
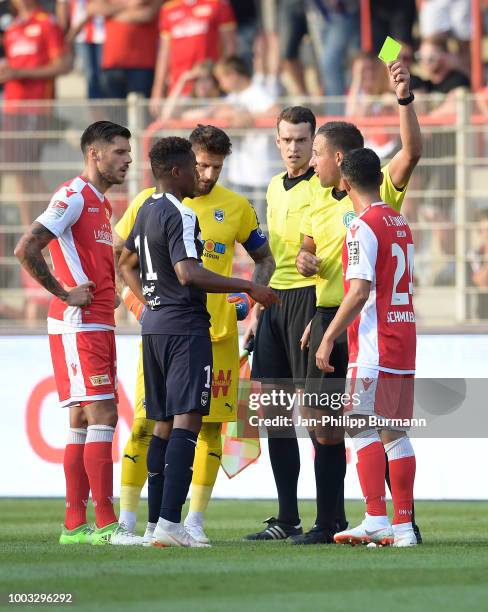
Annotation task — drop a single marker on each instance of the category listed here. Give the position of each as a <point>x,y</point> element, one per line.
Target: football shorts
<point>84,366</point>
<point>177,375</point>
<point>385,395</point>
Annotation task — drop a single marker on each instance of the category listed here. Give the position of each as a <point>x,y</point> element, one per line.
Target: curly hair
<point>211,139</point>
<point>167,153</point>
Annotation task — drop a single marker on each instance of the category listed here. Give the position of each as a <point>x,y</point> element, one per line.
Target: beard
<point>203,188</point>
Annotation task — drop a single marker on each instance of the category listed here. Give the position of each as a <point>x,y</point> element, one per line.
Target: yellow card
<point>390,50</point>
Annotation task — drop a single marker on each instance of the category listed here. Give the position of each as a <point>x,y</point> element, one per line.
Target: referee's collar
<point>338,195</point>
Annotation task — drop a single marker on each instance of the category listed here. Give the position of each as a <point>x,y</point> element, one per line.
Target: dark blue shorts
<point>177,375</point>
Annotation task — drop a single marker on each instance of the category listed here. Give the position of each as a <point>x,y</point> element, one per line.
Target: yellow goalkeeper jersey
<point>326,221</point>
<point>225,217</point>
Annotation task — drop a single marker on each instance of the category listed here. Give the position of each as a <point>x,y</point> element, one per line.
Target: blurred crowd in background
<point>237,62</point>
<point>162,48</point>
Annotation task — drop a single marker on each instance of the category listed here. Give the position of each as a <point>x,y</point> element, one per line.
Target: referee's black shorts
<point>277,355</point>
<point>325,382</point>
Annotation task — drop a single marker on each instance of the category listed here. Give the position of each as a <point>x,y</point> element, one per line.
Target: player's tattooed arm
<point>264,264</point>
<point>306,262</point>
<point>29,252</point>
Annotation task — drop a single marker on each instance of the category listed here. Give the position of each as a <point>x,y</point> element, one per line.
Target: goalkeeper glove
<point>134,306</point>
<point>243,304</point>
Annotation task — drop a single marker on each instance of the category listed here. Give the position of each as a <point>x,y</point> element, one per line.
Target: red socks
<point>371,471</point>
<point>77,486</point>
<point>401,463</point>
<point>99,468</point>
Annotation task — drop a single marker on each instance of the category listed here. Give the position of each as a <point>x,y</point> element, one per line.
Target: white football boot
<point>174,534</point>
<point>370,530</point>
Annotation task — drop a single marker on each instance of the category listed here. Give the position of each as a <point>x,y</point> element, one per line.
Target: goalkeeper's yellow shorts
<point>225,382</point>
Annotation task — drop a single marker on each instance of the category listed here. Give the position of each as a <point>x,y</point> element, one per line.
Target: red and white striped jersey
<point>79,216</point>
<point>379,248</point>
<point>94,30</point>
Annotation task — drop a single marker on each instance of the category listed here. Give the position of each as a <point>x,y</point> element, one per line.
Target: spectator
<point>35,56</point>
<point>191,32</point>
<point>442,19</point>
<point>249,168</point>
<point>267,59</point>
<point>204,86</point>
<point>436,64</point>
<point>131,40</point>
<point>334,29</point>
<point>370,95</point>
<point>292,27</point>
<point>247,17</point>
<point>395,19</point>
<point>479,266</point>
<point>88,34</point>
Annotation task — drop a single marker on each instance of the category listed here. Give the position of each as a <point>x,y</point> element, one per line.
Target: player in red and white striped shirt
<point>76,229</point>
<point>378,313</point>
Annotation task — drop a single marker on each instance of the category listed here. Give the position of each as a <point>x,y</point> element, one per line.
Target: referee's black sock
<point>155,476</point>
<point>285,461</point>
<point>177,473</point>
<point>330,470</point>
<point>387,478</point>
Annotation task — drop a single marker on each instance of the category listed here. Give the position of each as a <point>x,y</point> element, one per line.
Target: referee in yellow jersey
<point>225,218</point>
<point>323,229</point>
<point>278,361</point>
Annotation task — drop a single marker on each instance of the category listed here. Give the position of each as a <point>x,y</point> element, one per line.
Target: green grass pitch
<point>448,572</point>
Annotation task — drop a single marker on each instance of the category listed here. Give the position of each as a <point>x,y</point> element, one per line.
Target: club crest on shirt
<point>353,229</point>
<point>219,215</point>
<point>348,218</point>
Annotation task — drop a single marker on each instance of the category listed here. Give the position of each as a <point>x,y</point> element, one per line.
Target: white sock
<point>100,433</point>
<point>168,525</point>
<point>402,528</point>
<point>129,519</point>
<point>376,522</point>
<point>194,518</point>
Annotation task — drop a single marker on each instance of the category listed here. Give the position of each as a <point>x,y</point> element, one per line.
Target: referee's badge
<point>348,218</point>
<point>219,215</point>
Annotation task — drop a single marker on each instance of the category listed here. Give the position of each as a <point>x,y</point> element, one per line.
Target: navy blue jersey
<point>164,233</point>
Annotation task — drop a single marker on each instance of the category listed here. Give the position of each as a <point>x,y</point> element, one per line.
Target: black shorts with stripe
<point>177,375</point>
<point>277,354</point>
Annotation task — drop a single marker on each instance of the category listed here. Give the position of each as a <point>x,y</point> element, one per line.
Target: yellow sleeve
<point>124,226</point>
<point>389,193</point>
<point>306,222</point>
<point>249,222</point>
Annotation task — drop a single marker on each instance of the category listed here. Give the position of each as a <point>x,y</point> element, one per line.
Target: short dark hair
<point>166,153</point>
<point>235,63</point>
<point>341,135</point>
<point>296,115</point>
<point>212,139</point>
<point>105,131</point>
<point>361,168</point>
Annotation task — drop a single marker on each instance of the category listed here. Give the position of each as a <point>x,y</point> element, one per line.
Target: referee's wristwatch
<point>405,101</point>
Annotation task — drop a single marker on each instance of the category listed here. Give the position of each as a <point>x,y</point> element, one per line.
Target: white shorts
<point>440,16</point>
<point>381,394</point>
